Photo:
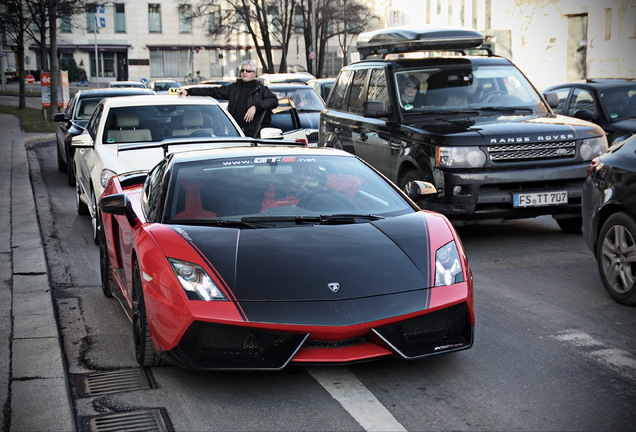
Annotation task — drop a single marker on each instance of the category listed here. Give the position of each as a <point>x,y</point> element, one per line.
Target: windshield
<point>305,99</point>
<point>287,189</point>
<point>154,123</point>
<point>465,88</point>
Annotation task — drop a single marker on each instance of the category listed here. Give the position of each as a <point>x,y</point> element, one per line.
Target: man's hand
<point>249,115</point>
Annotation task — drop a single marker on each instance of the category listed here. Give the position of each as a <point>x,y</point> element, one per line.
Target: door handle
<point>364,136</point>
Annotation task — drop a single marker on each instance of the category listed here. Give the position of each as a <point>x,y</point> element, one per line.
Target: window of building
<point>169,63</point>
<point>154,18</point>
<point>90,19</point>
<point>106,64</point>
<point>608,24</point>
<point>214,19</point>
<point>185,18</point>
<point>299,20</point>
<point>273,18</point>
<point>120,18</point>
<point>66,22</point>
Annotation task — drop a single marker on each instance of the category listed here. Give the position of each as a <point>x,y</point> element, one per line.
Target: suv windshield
<point>452,88</point>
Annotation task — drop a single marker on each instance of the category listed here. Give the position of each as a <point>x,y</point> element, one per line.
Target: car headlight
<point>592,147</point>
<point>460,157</point>
<point>197,284</point>
<point>448,267</point>
<point>105,176</point>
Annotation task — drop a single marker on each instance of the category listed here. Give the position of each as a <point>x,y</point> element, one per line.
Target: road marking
<point>355,398</point>
<point>617,359</point>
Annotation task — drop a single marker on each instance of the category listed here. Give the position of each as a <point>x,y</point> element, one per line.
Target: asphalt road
<point>552,350</point>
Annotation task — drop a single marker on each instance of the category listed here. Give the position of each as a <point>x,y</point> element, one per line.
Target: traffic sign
<point>30,79</point>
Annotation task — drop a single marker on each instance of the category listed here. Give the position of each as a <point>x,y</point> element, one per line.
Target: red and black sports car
<point>259,256</point>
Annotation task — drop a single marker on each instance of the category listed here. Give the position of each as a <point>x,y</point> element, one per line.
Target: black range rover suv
<point>435,105</point>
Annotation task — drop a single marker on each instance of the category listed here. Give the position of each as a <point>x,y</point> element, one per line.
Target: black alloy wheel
<point>144,352</point>
<point>616,258</point>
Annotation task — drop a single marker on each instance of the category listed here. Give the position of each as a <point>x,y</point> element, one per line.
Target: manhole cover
<point>100,383</point>
<point>149,420</point>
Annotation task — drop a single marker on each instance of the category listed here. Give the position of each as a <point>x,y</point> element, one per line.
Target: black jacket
<point>261,97</point>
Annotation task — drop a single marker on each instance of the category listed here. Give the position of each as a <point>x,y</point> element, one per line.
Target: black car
<point>308,102</point>
<point>468,121</point>
<point>74,119</point>
<point>609,218</point>
<point>610,103</point>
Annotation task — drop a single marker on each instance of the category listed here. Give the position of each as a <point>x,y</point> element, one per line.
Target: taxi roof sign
<point>422,38</point>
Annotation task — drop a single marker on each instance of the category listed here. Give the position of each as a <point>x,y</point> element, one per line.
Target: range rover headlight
<point>197,284</point>
<point>448,267</point>
<point>592,147</point>
<point>460,157</point>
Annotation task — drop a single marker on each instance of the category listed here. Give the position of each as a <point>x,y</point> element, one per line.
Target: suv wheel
<point>615,256</point>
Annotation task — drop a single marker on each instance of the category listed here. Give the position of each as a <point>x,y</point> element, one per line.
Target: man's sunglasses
<point>247,70</point>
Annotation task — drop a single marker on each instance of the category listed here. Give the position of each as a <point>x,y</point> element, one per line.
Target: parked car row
<point>206,235</point>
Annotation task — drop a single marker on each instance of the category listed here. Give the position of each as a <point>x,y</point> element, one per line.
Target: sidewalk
<point>34,389</point>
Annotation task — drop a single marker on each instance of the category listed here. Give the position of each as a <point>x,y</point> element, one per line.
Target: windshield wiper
<point>226,223</point>
<point>321,220</point>
<point>507,109</point>
<point>348,218</point>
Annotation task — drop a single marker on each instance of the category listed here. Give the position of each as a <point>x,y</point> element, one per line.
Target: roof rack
<point>403,39</point>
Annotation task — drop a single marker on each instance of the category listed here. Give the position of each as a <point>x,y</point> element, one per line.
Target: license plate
<point>540,199</point>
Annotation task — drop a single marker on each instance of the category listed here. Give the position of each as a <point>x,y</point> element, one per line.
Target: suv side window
<point>378,90</point>
<point>562,94</point>
<point>356,94</point>
<point>582,99</point>
<point>339,91</point>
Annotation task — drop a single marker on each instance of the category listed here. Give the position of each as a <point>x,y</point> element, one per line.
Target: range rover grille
<point>532,151</point>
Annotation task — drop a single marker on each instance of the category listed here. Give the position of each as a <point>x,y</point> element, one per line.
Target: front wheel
<point>104,267</point>
<point>144,352</point>
<point>95,218</point>
<point>82,208</point>
<point>616,258</point>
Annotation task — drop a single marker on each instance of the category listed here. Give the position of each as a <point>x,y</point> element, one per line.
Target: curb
<point>40,395</point>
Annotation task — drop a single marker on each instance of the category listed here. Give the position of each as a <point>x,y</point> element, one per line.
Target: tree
<point>343,19</point>
<point>15,19</point>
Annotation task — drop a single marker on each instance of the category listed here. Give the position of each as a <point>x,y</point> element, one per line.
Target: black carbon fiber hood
<point>299,263</point>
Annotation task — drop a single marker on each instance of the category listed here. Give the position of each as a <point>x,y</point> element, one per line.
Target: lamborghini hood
<point>318,262</point>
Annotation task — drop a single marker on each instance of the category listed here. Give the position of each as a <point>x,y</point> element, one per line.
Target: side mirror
<point>552,98</point>
<point>83,140</point>
<point>118,204</point>
<point>271,133</point>
<point>374,109</point>
<point>60,117</point>
<point>419,190</point>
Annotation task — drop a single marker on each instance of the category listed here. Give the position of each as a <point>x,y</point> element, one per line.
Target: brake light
<point>302,140</point>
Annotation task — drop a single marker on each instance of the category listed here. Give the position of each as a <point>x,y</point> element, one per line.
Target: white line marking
<point>619,360</point>
<point>355,398</point>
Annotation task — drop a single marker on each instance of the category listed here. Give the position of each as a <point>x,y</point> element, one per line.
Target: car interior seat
<point>87,110</point>
<point>125,128</point>
<point>193,122</point>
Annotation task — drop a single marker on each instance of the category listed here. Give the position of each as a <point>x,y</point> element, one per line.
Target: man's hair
<point>251,63</point>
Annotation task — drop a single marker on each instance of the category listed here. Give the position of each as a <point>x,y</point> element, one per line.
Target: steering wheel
<point>488,96</point>
<point>200,133</point>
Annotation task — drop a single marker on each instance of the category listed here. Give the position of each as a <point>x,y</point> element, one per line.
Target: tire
<point>82,208</point>
<point>616,258</point>
<point>95,218</point>
<point>61,165</point>
<point>570,225</point>
<point>108,282</point>
<point>70,172</point>
<point>144,352</point>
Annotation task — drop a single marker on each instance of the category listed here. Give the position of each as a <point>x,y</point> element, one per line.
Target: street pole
<point>313,37</point>
<point>96,53</point>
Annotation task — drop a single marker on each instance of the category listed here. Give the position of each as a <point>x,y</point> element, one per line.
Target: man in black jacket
<point>249,102</point>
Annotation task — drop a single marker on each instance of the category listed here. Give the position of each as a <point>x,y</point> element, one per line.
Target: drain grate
<point>151,420</point>
<point>100,383</point>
